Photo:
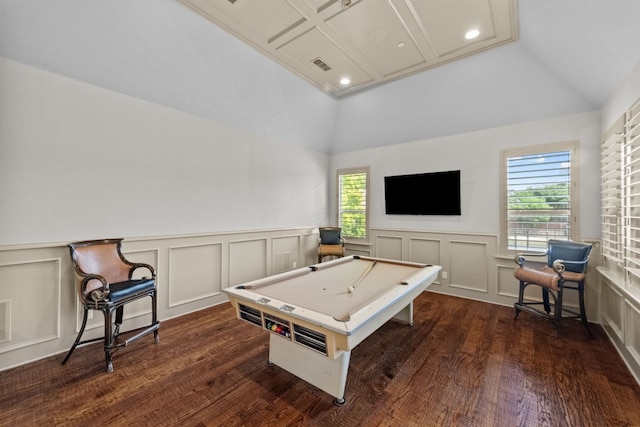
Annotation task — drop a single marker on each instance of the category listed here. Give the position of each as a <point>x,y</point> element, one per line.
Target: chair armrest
<point>137,265</point>
<point>96,294</point>
<point>520,258</point>
<point>559,265</point>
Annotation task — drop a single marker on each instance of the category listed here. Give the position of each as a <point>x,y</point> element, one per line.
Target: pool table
<point>318,314</point>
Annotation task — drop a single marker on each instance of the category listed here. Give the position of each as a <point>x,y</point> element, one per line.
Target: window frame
<point>506,154</point>
<point>350,171</point>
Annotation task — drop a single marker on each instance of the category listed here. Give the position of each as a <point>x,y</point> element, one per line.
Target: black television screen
<point>436,193</point>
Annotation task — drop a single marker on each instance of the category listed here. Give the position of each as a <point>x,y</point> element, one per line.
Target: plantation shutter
<point>352,204</point>
<point>631,191</point>
<point>538,199</point>
<point>611,192</point>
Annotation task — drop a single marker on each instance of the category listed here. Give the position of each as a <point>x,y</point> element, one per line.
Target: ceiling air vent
<point>320,63</point>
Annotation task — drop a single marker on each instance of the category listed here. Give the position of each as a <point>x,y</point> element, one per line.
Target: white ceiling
<point>570,57</point>
<point>369,42</point>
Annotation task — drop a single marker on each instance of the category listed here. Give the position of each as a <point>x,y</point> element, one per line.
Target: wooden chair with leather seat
<point>565,269</point>
<point>331,242</point>
<point>105,283</point>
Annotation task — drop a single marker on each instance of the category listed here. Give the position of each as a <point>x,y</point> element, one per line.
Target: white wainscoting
<point>468,261</point>
<point>198,265</point>
<point>620,316</point>
<point>40,314</point>
<point>34,287</point>
<point>471,265</point>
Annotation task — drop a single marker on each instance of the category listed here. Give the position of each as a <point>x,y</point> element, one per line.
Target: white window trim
<point>573,147</point>
<point>347,171</point>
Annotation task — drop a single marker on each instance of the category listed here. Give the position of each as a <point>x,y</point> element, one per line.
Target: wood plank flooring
<point>464,363</point>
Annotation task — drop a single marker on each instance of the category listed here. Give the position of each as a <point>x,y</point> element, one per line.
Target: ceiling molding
<point>369,42</point>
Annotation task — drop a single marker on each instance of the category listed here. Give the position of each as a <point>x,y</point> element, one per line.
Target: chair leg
<point>75,344</point>
<point>154,316</point>
<point>108,338</point>
<point>583,312</point>
<point>557,312</point>
<point>119,316</point>
<point>520,299</point>
<point>545,300</point>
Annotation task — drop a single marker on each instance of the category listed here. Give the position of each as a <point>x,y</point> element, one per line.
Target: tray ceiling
<point>367,41</point>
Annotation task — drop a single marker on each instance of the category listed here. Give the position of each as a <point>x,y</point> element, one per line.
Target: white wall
<point>477,155</point>
<point>501,86</point>
<point>163,52</point>
<point>78,161</point>
<point>625,96</point>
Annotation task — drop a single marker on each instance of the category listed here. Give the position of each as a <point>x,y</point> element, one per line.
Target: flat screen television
<point>435,193</point>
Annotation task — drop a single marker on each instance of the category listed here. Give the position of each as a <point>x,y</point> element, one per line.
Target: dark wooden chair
<point>106,284</point>
<point>565,268</point>
<point>331,242</point>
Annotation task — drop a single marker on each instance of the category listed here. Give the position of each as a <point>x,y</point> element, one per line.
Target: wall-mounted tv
<point>435,193</point>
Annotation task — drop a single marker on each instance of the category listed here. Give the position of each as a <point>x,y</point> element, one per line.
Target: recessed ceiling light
<point>401,44</point>
<point>345,81</point>
<point>472,34</point>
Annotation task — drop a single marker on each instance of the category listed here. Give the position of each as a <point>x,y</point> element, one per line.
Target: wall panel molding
<point>467,259</point>
<point>285,252</point>
<point>469,269</point>
<point>389,246</point>
<point>309,248</point>
<point>422,249</point>
<point>619,312</point>
<point>612,309</point>
<point>195,273</point>
<point>632,332</point>
<point>26,287</point>
<point>507,286</point>
<point>191,271</point>
<point>248,260</point>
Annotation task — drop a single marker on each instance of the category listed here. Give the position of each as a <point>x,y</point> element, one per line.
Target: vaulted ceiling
<point>558,57</point>
<point>344,46</point>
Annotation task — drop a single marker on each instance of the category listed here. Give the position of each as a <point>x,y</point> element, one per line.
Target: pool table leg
<point>406,314</point>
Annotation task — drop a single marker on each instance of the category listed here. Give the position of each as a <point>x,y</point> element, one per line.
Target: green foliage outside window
<point>536,204</point>
<point>352,200</point>
<point>538,214</point>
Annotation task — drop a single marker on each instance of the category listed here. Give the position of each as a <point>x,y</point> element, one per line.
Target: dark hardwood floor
<point>464,363</point>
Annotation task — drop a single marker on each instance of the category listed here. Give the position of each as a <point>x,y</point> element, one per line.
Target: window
<point>631,195</point>
<point>353,210</point>
<point>620,197</point>
<point>539,196</point>
<point>611,161</point>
